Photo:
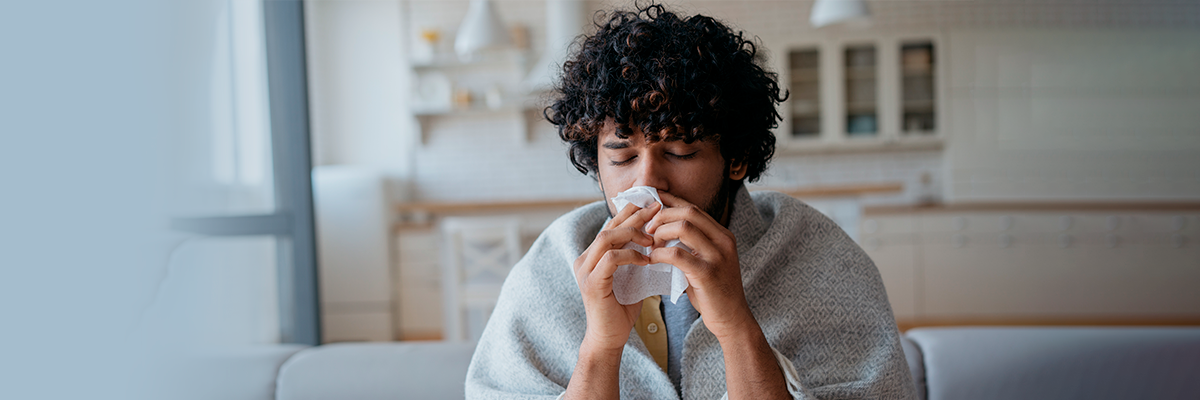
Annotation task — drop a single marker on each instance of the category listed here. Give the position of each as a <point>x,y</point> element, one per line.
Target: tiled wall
<point>836,169</point>
<point>479,156</point>
<point>470,158</point>
<point>766,18</point>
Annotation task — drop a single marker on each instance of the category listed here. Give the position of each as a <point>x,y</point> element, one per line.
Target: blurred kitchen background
<point>1003,162</point>
<point>198,191</point>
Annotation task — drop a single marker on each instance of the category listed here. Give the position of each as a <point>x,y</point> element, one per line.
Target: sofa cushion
<point>1060,363</point>
<point>231,372</point>
<point>364,371</point>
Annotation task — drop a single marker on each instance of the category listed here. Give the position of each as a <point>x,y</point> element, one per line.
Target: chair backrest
<point>478,252</point>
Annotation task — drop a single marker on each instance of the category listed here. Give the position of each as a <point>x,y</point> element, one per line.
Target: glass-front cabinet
<point>917,99</point>
<point>862,85</point>
<point>805,92</point>
<point>861,93</point>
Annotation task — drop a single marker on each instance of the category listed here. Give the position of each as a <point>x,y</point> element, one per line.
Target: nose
<point>652,172</point>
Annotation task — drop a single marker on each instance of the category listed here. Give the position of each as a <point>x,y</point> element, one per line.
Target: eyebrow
<point>614,145</point>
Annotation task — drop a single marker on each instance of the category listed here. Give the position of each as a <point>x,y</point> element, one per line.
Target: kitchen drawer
<point>1165,222</point>
<point>897,266</point>
<point>887,224</point>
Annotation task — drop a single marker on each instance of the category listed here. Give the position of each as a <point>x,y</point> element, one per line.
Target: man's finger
<point>688,234</point>
<point>612,239</point>
<point>676,206</point>
<point>622,215</point>
<point>671,200</point>
<point>680,258</point>
<point>694,215</point>
<point>639,218</point>
<point>601,277</point>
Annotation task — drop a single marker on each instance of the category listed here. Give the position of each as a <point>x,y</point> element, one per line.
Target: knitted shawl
<point>816,294</point>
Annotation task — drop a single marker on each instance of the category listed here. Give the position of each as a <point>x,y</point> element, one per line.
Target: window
<point>240,156</point>
<point>259,146</point>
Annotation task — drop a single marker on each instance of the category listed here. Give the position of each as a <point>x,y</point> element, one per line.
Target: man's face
<point>694,172</point>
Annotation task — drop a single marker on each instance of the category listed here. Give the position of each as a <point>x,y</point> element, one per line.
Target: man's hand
<point>715,290</point>
<point>712,269</point>
<point>609,322</point>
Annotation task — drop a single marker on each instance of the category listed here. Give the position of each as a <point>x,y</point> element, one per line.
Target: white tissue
<point>632,283</point>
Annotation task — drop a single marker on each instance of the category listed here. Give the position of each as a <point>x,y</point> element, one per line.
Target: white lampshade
<point>827,12</point>
<point>481,29</point>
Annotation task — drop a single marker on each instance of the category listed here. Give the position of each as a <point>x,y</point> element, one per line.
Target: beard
<point>720,203</point>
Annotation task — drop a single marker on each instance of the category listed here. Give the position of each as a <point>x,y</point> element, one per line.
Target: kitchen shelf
<point>524,112</point>
<point>448,88</point>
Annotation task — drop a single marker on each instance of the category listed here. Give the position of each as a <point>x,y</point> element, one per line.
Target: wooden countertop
<point>439,207</point>
<point>1071,206</point>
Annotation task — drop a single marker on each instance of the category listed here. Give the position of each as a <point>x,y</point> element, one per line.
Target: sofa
<point>1054,363</point>
<point>976,363</point>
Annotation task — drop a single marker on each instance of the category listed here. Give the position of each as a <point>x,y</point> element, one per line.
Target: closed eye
<point>684,156</point>
<point>623,162</point>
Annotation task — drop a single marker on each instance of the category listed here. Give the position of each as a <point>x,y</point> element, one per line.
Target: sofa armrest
<point>916,364</point>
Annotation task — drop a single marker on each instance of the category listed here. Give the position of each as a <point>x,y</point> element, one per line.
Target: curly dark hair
<point>676,79</point>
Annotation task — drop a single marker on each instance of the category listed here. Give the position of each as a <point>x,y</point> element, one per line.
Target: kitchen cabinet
<point>891,243</point>
<point>1030,265</point>
<point>862,92</point>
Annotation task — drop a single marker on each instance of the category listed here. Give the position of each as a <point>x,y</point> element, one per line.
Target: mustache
<point>715,206</point>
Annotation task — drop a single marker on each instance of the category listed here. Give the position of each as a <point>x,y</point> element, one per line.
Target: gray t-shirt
<point>679,318</point>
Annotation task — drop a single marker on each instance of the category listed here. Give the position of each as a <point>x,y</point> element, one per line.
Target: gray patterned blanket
<point>816,294</point>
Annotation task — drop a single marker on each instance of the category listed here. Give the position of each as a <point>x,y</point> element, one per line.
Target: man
<point>780,303</point>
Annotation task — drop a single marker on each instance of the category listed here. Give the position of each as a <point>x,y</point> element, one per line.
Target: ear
<point>737,169</point>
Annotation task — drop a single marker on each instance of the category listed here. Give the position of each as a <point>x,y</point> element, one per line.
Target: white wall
<point>1070,114</point>
<point>359,82</point>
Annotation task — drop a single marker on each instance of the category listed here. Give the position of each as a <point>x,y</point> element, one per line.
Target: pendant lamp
<point>480,30</point>
<point>829,12</point>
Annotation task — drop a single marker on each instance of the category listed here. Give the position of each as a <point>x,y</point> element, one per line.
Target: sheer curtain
<point>221,291</point>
